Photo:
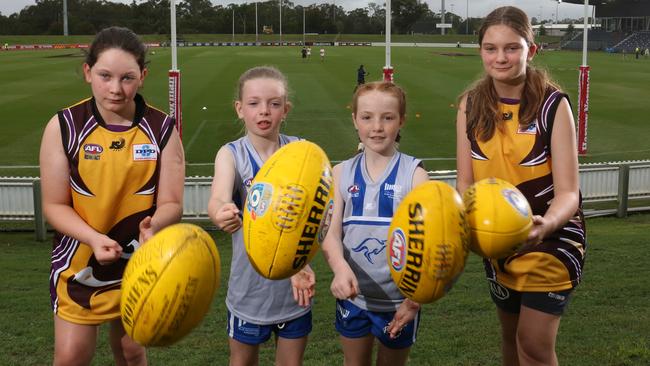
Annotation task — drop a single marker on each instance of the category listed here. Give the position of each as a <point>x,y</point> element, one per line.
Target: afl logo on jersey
<point>92,151</point>
<point>397,249</point>
<point>354,190</point>
<point>145,152</point>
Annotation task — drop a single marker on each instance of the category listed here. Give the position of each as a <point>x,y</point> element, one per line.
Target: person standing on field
<point>258,308</point>
<point>112,172</point>
<point>516,124</point>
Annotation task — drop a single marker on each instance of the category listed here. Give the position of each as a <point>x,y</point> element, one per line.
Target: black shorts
<point>510,301</point>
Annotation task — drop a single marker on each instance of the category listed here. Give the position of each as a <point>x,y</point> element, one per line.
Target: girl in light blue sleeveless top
<point>370,187</point>
<point>258,307</point>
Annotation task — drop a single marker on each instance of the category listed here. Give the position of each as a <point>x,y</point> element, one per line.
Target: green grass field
<point>607,322</point>
<point>38,83</point>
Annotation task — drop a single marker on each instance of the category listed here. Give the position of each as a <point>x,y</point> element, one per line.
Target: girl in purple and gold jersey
<point>112,171</point>
<point>515,124</point>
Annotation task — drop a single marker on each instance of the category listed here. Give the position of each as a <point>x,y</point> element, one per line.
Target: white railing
<point>602,182</point>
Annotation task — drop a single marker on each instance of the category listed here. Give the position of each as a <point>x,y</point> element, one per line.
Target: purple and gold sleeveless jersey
<point>521,155</point>
<point>113,178</point>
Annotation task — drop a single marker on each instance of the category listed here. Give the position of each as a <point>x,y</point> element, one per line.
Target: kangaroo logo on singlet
<point>370,248</point>
<point>143,152</point>
<point>117,145</point>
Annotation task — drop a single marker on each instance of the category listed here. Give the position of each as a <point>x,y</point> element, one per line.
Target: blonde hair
<point>261,72</point>
<point>482,109</point>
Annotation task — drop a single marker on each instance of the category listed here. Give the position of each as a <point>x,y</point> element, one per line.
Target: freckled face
<point>378,121</point>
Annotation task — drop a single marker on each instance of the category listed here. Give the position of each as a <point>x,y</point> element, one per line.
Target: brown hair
<point>384,87</point>
<point>120,38</point>
<point>261,72</point>
<point>482,100</point>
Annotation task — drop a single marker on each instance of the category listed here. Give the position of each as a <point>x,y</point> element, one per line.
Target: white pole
<point>233,23</point>
<point>175,106</point>
<point>388,31</point>
<point>173,31</point>
<point>280,21</point>
<point>65,17</point>
<point>467,18</point>
<point>585,23</point>
<point>442,15</point>
<point>256,34</point>
<point>303,25</point>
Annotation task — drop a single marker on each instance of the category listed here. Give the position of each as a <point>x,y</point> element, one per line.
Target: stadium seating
<point>597,40</point>
<point>639,39</point>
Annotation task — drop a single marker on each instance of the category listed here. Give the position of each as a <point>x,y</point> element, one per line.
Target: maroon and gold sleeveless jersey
<point>113,178</point>
<point>521,155</point>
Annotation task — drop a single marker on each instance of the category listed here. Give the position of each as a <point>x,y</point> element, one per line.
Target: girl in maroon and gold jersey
<point>515,124</point>
<point>112,171</point>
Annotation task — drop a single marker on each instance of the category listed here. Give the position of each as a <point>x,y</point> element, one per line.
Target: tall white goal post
<point>175,110</point>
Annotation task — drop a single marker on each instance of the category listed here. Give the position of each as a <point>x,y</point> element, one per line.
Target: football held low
<point>169,284</point>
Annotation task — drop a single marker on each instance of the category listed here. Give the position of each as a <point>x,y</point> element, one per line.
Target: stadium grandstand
<point>619,26</point>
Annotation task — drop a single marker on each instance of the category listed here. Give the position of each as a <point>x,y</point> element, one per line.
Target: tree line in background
<point>201,16</point>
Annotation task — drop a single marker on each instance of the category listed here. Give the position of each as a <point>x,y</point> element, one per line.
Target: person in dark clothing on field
<point>361,75</point>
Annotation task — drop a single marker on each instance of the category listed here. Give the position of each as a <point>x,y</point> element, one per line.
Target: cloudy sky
<point>541,9</point>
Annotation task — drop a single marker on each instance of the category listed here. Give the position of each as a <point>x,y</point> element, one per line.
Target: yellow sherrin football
<point>428,242</point>
<point>288,210</point>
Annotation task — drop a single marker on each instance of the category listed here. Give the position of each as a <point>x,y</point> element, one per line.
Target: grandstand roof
<point>617,8</point>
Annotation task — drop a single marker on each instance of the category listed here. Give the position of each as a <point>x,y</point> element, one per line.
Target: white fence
<point>613,182</point>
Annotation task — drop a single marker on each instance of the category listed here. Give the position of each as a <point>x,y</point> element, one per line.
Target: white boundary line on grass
<point>195,135</point>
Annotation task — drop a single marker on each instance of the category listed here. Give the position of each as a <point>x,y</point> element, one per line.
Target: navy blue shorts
<point>254,334</point>
<point>354,322</point>
<point>510,301</point>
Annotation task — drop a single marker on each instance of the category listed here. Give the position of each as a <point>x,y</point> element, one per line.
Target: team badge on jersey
<point>354,190</point>
<point>92,151</point>
<point>530,129</point>
<point>143,152</point>
<point>117,145</point>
